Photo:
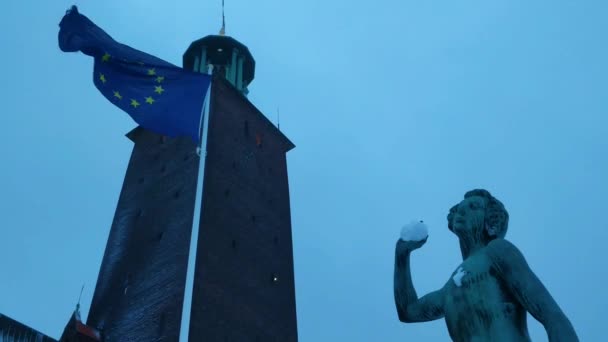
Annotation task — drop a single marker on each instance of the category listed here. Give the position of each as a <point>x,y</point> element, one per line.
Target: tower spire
<point>223,29</point>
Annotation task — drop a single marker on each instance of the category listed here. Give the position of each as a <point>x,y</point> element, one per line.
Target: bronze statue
<point>488,295</point>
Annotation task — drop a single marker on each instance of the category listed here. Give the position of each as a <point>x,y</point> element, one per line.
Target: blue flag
<point>158,95</point>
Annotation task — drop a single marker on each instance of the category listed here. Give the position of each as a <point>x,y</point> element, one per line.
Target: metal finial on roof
<point>80,296</point>
<point>223,29</point>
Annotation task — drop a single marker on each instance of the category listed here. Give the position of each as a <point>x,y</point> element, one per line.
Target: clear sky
<point>397,108</point>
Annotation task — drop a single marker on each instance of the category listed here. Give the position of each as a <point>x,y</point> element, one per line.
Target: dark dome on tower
<point>228,56</point>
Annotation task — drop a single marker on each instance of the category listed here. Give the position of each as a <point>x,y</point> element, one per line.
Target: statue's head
<point>480,215</point>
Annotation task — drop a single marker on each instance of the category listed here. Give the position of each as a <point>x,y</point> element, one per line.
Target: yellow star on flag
<point>102,77</point>
<point>151,72</point>
<point>134,103</point>
<point>149,100</point>
<point>158,89</point>
<point>159,79</point>
<point>105,57</point>
<point>117,95</point>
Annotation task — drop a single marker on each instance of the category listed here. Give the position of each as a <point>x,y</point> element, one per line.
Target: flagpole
<point>201,150</point>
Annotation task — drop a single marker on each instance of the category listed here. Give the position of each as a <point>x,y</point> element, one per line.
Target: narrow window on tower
<point>234,244</point>
<point>161,323</point>
<point>258,140</point>
<point>246,128</point>
<point>127,283</point>
<point>138,214</point>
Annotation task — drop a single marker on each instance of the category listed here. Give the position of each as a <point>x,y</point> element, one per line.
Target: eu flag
<point>158,95</point>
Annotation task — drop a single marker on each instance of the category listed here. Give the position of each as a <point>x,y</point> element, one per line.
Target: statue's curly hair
<point>496,214</point>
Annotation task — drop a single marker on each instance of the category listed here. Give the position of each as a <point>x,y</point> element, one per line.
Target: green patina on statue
<point>488,295</point>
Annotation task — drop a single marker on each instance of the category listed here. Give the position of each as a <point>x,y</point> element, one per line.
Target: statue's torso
<point>479,308</point>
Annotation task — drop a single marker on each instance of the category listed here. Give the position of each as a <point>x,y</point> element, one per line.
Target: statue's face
<point>469,216</point>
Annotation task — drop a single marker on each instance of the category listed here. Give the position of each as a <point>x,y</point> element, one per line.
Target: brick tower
<point>244,278</point>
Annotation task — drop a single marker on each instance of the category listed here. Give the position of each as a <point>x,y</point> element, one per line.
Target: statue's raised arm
<point>410,308</point>
<point>489,294</point>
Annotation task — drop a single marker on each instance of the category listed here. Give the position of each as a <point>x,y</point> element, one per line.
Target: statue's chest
<point>475,300</point>
<point>470,273</point>
<point>472,285</point>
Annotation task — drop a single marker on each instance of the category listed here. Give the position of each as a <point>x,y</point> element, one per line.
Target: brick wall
<point>244,281</point>
<point>140,287</point>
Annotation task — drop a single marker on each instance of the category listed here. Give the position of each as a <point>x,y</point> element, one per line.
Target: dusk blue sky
<point>397,108</point>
